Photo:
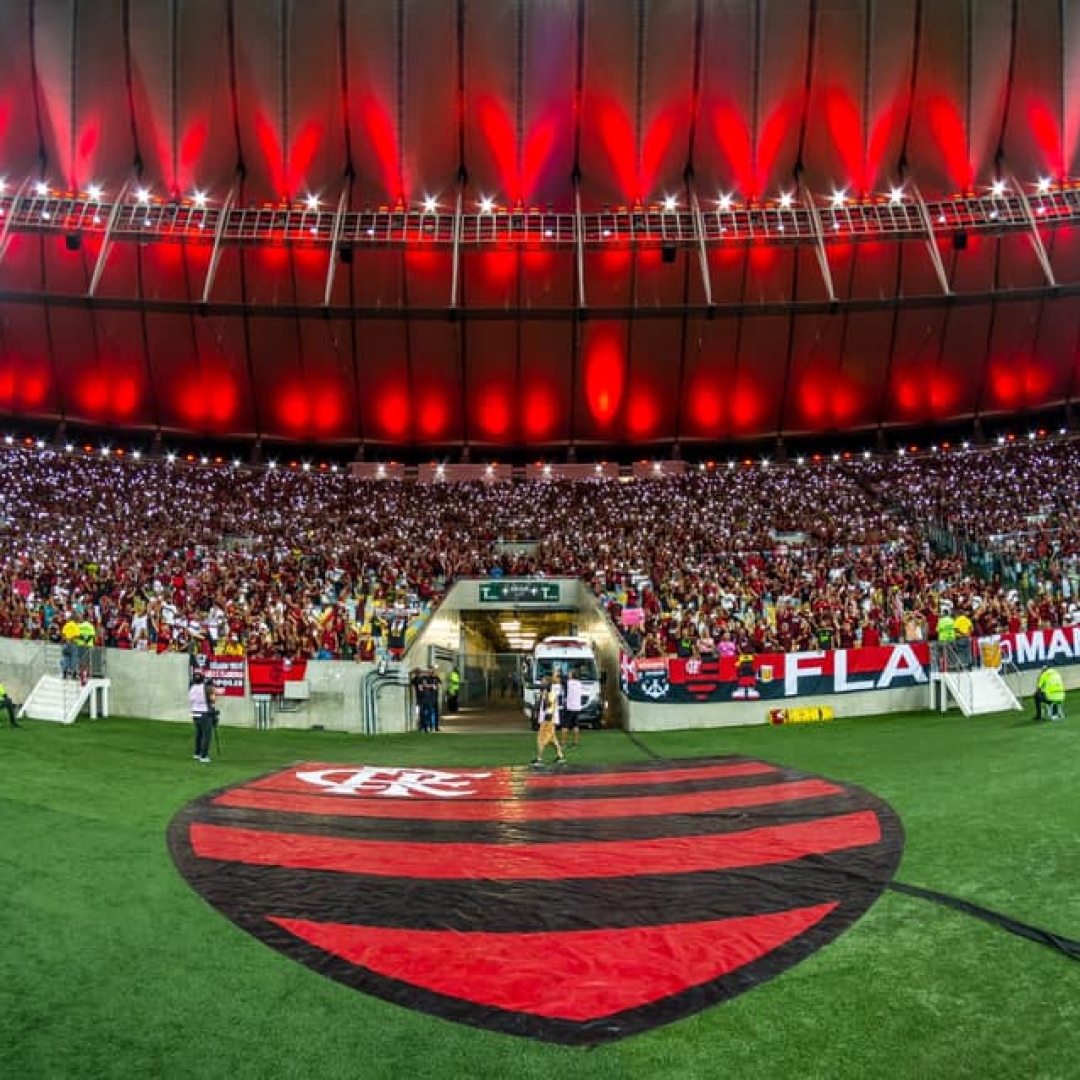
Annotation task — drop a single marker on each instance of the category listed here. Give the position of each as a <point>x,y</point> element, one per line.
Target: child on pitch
<point>548,729</point>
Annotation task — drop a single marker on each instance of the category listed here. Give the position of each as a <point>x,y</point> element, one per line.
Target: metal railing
<point>773,222</point>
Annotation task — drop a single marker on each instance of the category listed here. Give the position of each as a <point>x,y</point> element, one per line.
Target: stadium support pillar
<point>1033,236</point>
<point>219,233</point>
<point>819,241</point>
<point>579,243</point>
<point>703,255</point>
<point>455,262</point>
<point>335,241</point>
<point>106,243</point>
<point>931,239</point>
<point>5,232</point>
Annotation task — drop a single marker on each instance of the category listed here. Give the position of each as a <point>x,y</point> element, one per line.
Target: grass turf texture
<point>111,966</point>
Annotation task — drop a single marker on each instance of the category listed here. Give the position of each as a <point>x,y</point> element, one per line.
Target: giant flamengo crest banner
<point>578,907</point>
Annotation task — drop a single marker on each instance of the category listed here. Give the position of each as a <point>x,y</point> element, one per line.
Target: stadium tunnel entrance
<point>487,628</point>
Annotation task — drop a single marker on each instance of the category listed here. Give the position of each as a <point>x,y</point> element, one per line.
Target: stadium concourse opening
<point>489,638</point>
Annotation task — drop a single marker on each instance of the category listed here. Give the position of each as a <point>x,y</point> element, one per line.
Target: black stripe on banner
<point>561,831</point>
<point>637,791</point>
<point>537,906</point>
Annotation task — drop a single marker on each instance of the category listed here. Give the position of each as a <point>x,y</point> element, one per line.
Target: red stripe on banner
<point>529,809</point>
<point>574,975</point>
<point>537,862</point>
<point>653,776</point>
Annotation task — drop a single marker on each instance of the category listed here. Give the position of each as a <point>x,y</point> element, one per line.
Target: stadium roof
<point>510,223</point>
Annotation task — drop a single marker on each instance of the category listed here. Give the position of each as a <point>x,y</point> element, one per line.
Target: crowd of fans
<point>165,555</point>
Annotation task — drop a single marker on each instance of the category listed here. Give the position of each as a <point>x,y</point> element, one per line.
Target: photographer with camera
<point>201,698</point>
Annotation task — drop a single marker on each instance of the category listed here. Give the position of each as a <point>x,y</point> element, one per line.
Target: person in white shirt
<point>573,702</point>
<point>201,701</point>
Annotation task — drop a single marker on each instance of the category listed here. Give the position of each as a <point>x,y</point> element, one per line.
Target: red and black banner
<point>268,676</point>
<point>823,672</point>
<point>577,907</point>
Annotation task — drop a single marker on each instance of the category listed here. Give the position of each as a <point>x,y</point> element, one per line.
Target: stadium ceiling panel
<point>537,223</point>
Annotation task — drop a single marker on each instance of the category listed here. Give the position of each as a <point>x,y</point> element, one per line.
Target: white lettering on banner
<point>794,669</point>
<point>1030,648</point>
<point>841,683</point>
<point>393,783</point>
<point>902,663</point>
<point>1059,645</point>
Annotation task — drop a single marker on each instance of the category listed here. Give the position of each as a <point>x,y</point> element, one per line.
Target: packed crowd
<point>282,562</point>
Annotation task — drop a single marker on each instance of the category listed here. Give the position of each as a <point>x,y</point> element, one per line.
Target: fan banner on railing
<point>226,673</point>
<point>268,676</point>
<point>770,676</point>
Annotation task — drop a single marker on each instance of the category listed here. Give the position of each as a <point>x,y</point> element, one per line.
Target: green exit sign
<point>519,591</point>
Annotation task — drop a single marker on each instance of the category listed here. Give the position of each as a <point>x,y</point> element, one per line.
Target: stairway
<point>979,691</point>
<point>62,700</point>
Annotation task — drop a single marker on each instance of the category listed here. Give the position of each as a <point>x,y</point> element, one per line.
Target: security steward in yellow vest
<point>7,703</point>
<point>946,627</point>
<point>1049,694</point>
<point>86,641</point>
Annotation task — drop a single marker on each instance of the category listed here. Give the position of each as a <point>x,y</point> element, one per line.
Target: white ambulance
<point>565,654</point>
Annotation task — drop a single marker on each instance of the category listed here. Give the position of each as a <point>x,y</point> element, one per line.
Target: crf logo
<point>394,783</point>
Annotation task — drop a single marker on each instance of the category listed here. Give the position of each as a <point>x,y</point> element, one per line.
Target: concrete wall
<point>357,698</point>
<point>148,685</point>
<point>648,717</point>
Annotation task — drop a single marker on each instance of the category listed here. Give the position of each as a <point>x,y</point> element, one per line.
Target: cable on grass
<point>1065,945</point>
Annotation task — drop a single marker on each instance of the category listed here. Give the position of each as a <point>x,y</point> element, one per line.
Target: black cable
<point>1067,946</point>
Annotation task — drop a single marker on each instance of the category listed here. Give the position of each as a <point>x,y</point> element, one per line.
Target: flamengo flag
<point>576,907</point>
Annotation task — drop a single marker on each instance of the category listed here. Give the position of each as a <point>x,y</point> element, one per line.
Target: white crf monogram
<point>393,783</point>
